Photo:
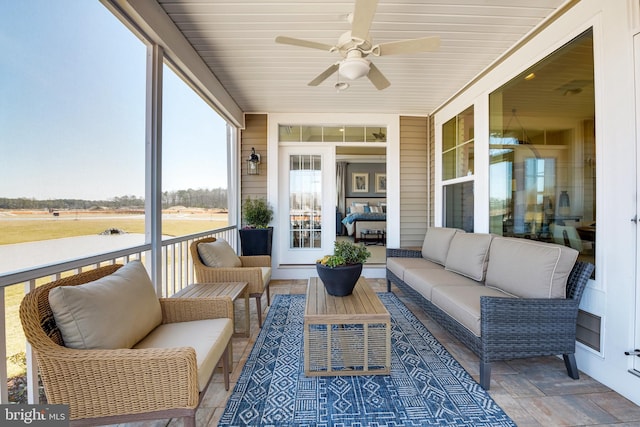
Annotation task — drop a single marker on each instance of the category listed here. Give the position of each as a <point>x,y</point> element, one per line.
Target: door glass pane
<point>305,201</point>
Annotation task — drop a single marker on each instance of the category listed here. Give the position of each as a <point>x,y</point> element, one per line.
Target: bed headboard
<point>373,201</point>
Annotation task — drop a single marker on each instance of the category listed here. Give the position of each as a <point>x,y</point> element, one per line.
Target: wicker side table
<point>234,290</point>
<point>346,335</point>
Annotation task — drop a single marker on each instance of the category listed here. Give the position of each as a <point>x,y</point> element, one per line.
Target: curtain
<point>341,171</point>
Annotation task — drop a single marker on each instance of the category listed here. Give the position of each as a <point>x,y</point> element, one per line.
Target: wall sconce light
<point>253,163</point>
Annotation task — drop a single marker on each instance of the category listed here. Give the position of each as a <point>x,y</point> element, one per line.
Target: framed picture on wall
<point>381,183</point>
<point>360,182</point>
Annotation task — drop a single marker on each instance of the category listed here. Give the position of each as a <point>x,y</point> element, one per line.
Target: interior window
<point>542,151</point>
<point>457,170</point>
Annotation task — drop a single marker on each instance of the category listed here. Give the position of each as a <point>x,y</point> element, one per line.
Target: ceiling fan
<point>355,45</point>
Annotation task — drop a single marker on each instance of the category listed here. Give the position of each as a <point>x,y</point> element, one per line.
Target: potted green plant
<point>256,236</point>
<point>340,272</point>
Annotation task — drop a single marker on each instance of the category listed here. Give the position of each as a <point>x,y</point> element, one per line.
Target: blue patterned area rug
<point>427,386</point>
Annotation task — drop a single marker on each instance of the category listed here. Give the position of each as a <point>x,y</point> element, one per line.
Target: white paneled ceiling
<point>236,39</point>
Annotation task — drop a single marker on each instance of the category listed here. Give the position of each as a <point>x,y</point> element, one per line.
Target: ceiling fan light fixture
<point>340,86</point>
<point>354,68</point>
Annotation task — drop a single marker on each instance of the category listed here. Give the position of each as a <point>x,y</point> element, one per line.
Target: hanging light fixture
<point>340,86</point>
<point>253,163</point>
<point>523,139</point>
<point>354,68</point>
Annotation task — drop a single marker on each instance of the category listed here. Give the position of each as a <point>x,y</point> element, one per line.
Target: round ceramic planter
<point>339,281</point>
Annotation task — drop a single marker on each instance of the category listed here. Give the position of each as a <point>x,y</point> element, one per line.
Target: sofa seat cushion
<point>218,254</point>
<point>462,303</point>
<point>115,311</point>
<point>469,255</point>
<point>208,337</point>
<point>398,265</point>
<point>436,243</point>
<point>529,269</point>
<point>425,280</point>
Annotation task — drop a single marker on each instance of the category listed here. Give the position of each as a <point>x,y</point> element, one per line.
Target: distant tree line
<point>200,198</point>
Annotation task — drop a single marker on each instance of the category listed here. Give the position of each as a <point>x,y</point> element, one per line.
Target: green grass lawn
<point>30,230</point>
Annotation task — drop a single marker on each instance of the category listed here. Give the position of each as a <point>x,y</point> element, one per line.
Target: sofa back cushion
<point>218,254</point>
<point>469,255</point>
<point>436,243</point>
<point>115,311</point>
<point>529,269</point>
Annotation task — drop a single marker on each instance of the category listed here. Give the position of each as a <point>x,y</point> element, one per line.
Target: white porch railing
<point>177,272</point>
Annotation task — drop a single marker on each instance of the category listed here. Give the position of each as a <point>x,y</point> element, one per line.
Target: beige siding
<point>254,135</point>
<point>413,180</point>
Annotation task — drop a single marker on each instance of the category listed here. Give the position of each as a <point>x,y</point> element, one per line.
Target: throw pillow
<point>529,269</point>
<point>218,254</point>
<point>115,311</point>
<point>436,243</point>
<point>469,254</point>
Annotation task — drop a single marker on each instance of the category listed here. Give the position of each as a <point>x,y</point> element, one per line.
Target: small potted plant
<point>340,272</point>
<point>256,235</point>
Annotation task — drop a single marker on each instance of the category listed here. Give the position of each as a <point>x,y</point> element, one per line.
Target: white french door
<point>306,222</point>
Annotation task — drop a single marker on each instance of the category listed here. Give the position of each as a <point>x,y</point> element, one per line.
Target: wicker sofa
<point>110,349</point>
<point>505,298</point>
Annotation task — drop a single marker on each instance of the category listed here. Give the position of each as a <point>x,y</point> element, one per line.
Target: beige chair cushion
<point>115,311</point>
<point>218,254</point>
<point>436,243</point>
<point>207,337</point>
<point>529,269</point>
<point>266,275</point>
<point>469,255</point>
<point>398,265</point>
<point>463,303</point>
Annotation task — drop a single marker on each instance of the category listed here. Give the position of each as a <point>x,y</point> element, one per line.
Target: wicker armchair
<point>121,385</point>
<point>250,272</point>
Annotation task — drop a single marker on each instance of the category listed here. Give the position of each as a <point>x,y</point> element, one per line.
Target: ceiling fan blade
<point>377,78</point>
<point>324,75</point>
<point>425,44</point>
<point>303,43</point>
<point>363,14</point>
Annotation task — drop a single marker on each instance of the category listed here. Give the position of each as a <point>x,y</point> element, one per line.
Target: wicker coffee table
<point>346,335</point>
